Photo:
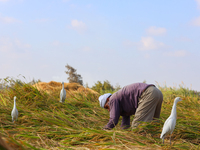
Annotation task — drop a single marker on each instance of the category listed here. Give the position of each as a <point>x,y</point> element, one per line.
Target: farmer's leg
<point>147,105</point>
<point>158,107</point>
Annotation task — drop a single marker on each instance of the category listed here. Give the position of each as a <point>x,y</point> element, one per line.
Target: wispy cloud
<point>79,26</point>
<point>145,44</point>
<point>13,48</point>
<point>8,20</point>
<point>21,45</point>
<point>156,30</point>
<point>196,21</point>
<point>179,53</point>
<point>149,43</point>
<point>15,56</point>
<point>198,3</point>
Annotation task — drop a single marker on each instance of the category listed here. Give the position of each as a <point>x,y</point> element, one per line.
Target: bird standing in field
<point>14,112</point>
<point>62,93</point>
<point>170,123</point>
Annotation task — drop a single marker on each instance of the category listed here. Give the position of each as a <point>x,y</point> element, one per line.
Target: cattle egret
<point>62,93</point>
<point>170,123</point>
<point>14,112</point>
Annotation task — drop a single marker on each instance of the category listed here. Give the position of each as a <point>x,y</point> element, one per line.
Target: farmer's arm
<point>125,122</point>
<point>114,115</point>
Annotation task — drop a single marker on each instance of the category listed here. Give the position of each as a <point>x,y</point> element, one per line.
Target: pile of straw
<point>54,86</point>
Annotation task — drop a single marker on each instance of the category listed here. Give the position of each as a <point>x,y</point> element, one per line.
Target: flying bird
<point>14,112</point>
<point>170,123</point>
<point>62,94</point>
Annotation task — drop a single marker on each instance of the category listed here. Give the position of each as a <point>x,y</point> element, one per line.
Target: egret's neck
<point>14,102</point>
<point>63,86</point>
<point>173,112</point>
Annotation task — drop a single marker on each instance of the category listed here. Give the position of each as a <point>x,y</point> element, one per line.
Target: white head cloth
<point>103,98</point>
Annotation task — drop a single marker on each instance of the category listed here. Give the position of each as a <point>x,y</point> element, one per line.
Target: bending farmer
<point>143,100</point>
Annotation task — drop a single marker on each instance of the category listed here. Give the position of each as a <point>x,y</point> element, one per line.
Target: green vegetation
<point>44,123</point>
<point>104,87</point>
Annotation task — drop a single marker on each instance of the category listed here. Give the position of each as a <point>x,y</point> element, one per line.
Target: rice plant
<point>44,123</point>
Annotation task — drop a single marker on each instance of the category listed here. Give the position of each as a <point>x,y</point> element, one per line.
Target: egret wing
<point>166,127</point>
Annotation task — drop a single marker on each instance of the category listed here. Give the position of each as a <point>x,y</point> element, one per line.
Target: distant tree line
<point>99,86</point>
<point>73,77</point>
<point>105,86</point>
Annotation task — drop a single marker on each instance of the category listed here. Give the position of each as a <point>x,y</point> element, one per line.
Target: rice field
<point>46,124</point>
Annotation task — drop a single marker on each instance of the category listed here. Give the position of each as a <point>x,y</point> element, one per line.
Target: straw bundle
<point>53,86</point>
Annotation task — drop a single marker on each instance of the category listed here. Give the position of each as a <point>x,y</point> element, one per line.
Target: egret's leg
<point>163,140</point>
<point>170,139</point>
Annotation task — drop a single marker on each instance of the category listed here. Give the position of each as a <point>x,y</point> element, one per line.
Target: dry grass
<point>44,123</point>
<point>54,87</point>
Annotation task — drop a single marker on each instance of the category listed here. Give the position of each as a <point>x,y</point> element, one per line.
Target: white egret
<point>14,112</point>
<point>170,123</point>
<point>62,93</point>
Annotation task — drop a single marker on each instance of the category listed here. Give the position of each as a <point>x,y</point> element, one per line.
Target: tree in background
<point>117,87</point>
<point>102,87</point>
<point>73,76</point>
<point>144,81</point>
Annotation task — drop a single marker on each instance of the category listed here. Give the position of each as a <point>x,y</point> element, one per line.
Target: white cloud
<point>198,3</point>
<point>156,30</point>
<point>146,43</point>
<point>79,26</point>
<point>180,53</point>
<point>196,21</point>
<point>149,43</point>
<point>8,20</point>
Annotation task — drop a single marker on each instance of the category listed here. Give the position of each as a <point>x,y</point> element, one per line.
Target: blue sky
<point>120,41</point>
